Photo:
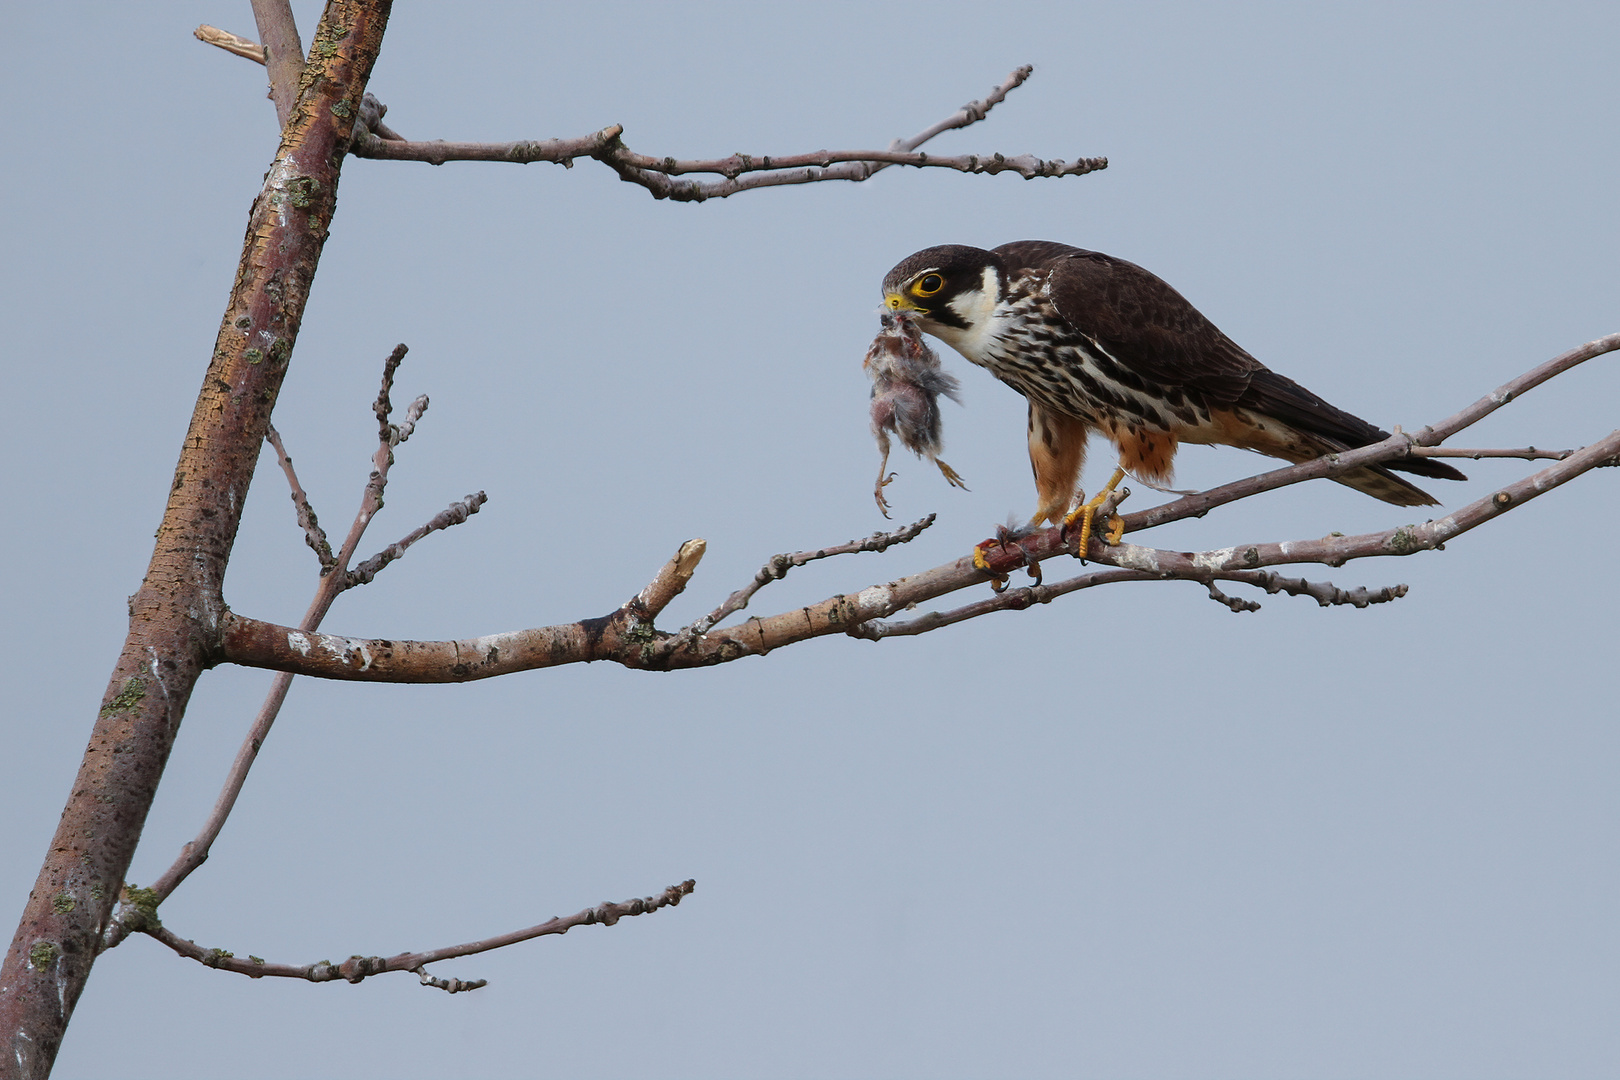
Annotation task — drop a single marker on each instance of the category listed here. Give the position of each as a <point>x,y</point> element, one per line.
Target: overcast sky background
<point>1127,834</point>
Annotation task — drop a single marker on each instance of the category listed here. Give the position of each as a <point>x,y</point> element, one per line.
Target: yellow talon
<point>1086,513</point>
<point>979,561</point>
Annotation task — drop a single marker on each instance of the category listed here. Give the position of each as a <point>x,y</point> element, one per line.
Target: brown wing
<point>1153,331</point>
<point>1139,320</point>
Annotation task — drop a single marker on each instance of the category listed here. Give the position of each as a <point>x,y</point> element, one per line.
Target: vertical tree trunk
<point>175,617</point>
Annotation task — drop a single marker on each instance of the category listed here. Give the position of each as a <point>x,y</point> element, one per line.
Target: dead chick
<point>907,382</point>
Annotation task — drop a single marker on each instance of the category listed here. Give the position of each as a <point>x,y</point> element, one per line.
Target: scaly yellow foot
<point>1085,514</point>
<point>981,558</point>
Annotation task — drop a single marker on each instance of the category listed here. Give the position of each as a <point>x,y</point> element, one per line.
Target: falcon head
<point>951,290</point>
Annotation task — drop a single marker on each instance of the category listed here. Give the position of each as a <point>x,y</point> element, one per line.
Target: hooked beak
<point>896,302</point>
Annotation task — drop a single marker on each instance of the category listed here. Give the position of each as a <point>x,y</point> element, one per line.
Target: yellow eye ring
<point>928,285</point>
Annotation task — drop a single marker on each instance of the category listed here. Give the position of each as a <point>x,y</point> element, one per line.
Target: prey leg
<point>883,481</point>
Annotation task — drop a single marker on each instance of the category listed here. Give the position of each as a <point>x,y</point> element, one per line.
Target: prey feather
<point>907,382</point>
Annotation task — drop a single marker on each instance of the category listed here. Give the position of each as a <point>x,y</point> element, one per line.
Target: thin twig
<point>969,114</point>
<point>314,535</point>
<point>357,968</point>
<point>1435,434</point>
<point>1324,593</point>
<point>777,567</point>
<point>562,152</point>
<point>452,985</point>
<point>1529,453</point>
<point>1235,604</point>
<point>1018,598</point>
<point>383,407</point>
<point>335,579</point>
<point>454,514</point>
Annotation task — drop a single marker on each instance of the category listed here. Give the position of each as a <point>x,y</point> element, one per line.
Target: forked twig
<point>335,579</point>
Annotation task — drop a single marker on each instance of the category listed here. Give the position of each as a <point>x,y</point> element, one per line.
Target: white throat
<point>984,322</point>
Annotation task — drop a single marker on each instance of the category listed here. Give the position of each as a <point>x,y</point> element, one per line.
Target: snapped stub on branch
<point>907,382</point>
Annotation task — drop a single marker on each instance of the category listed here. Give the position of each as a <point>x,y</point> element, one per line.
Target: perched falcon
<point>1100,344</point>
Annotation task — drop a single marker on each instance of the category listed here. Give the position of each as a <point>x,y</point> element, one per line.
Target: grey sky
<point>1128,834</point>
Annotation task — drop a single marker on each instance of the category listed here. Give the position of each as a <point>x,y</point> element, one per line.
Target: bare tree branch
<point>174,615</point>
<point>1529,453</point>
<point>283,53</point>
<point>1435,434</point>
<point>739,172</point>
<point>626,635</point>
<point>314,535</point>
<point>383,407</point>
<point>1323,592</point>
<point>356,968</point>
<point>1234,604</point>
<point>454,514</point>
<point>1019,598</point>
<point>969,114</point>
<point>335,579</point>
<point>777,567</point>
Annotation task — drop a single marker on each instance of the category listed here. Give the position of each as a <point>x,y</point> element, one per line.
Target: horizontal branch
<point>357,968</point>
<point>1018,598</point>
<point>523,152</point>
<point>626,638</point>
<point>737,172</point>
<point>1529,453</point>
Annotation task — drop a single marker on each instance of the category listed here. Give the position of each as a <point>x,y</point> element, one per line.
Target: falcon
<point>1096,343</point>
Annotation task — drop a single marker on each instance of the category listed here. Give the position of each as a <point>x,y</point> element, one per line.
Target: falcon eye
<point>929,285</point>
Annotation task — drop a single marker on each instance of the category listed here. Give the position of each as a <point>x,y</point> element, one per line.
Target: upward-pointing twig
<point>335,579</point>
